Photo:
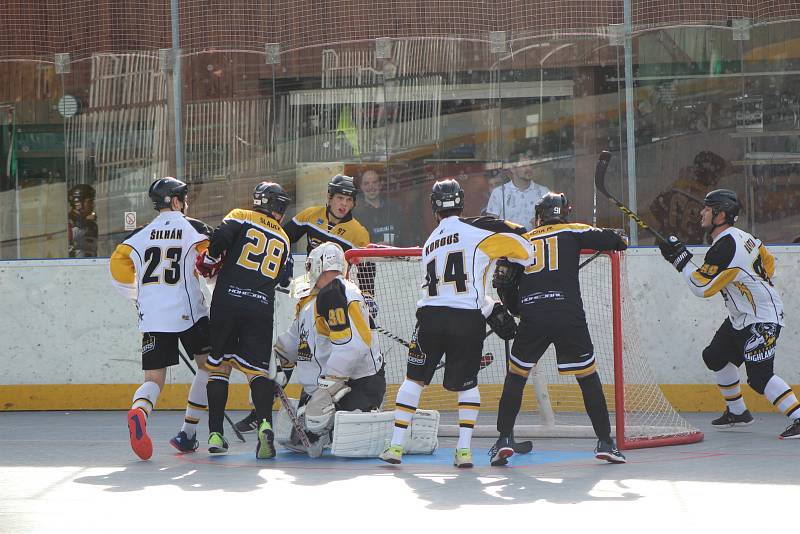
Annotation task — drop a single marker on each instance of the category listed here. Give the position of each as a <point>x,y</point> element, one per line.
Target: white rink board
<point>64,323</point>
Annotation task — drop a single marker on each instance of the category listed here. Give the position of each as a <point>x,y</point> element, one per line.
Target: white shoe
<point>463,458</point>
<point>392,455</point>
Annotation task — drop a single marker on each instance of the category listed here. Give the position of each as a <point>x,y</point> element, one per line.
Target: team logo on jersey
<point>148,343</point>
<point>746,293</point>
<point>320,221</point>
<point>303,349</point>
<point>415,354</point>
<point>761,344</point>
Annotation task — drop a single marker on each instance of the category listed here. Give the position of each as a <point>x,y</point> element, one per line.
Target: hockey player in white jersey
<point>453,312</point>
<point>155,267</point>
<point>338,358</point>
<point>741,269</point>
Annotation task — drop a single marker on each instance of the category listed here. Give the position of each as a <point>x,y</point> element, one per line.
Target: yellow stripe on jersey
<point>322,325</point>
<point>259,220</point>
<point>517,370</point>
<point>121,265</point>
<point>304,300</point>
<point>357,318</point>
<point>548,229</point>
<point>341,335</point>
<point>587,370</point>
<point>767,260</point>
<point>716,283</point>
<point>504,245</point>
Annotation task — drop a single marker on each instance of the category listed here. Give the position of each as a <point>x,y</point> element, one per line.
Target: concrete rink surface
<point>75,472</point>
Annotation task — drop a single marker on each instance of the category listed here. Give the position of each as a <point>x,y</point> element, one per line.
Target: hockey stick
<point>301,433</point>
<point>239,435</point>
<point>600,184</point>
<point>394,337</point>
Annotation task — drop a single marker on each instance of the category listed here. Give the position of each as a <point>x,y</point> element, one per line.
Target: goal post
<point>643,416</point>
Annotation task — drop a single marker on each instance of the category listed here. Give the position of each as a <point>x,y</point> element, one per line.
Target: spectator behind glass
<point>380,219</point>
<point>676,210</point>
<point>82,222</point>
<point>515,200</point>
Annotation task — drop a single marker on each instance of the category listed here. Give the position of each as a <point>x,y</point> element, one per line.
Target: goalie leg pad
<point>366,435</point>
<point>321,407</point>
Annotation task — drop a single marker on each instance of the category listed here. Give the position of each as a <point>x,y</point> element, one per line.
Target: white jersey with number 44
<point>457,255</point>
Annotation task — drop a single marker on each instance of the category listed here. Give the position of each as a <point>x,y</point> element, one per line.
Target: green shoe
<point>217,444</point>
<point>392,455</point>
<point>463,458</point>
<point>266,441</point>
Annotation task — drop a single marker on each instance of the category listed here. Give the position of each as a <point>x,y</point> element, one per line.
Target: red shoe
<point>140,441</point>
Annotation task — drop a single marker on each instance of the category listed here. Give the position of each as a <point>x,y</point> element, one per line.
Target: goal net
<point>644,417</point>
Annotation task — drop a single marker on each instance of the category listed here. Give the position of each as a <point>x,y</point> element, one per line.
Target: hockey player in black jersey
<point>547,298</point>
<point>249,249</point>
<point>331,223</point>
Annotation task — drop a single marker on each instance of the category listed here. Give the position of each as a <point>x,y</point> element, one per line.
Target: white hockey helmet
<point>326,257</point>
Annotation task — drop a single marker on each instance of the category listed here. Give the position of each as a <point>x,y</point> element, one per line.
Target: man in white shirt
<point>515,200</point>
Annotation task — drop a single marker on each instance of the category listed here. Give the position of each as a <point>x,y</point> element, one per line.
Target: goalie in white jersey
<point>453,312</point>
<point>155,267</point>
<point>740,268</point>
<point>337,356</point>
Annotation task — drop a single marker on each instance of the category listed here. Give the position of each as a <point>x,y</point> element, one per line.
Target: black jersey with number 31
<point>551,281</point>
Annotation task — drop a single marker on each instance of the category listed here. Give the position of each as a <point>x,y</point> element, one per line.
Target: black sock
<point>510,402</point>
<point>595,402</point>
<point>262,390</point>
<point>217,399</point>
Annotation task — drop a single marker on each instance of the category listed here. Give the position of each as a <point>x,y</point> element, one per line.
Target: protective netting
<point>648,415</point>
<point>38,30</point>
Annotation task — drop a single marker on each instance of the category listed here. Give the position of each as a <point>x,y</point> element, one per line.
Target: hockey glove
<point>675,252</point>
<point>506,274</point>
<point>623,239</point>
<point>372,306</point>
<point>285,275</point>
<point>207,266</point>
<point>501,322</point>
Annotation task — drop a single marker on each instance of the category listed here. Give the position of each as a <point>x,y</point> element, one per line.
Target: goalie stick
<point>600,184</point>
<point>301,433</point>
<point>239,435</point>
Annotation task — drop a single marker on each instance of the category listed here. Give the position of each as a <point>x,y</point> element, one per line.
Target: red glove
<point>206,265</point>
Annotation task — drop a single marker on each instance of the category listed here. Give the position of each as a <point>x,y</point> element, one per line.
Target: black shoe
<point>730,420</point>
<point>792,431</point>
<point>184,443</point>
<point>501,451</point>
<point>607,450</point>
<point>248,424</point>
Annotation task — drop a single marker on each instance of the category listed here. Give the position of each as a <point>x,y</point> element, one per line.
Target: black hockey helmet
<point>343,185</point>
<point>447,195</point>
<point>269,197</point>
<point>724,200</point>
<point>553,208</point>
<point>164,189</point>
<point>80,192</point>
